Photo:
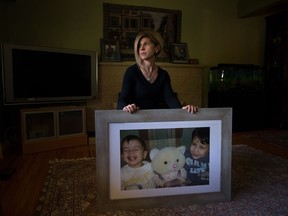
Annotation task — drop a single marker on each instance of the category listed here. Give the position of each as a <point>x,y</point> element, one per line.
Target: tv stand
<point>51,128</point>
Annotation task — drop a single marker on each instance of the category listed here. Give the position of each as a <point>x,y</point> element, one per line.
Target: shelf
<point>51,128</point>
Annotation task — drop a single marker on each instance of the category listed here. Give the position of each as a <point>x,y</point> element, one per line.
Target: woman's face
<point>147,49</point>
<point>198,149</point>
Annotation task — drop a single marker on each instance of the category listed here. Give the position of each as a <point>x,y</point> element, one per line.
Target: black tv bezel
<point>7,76</point>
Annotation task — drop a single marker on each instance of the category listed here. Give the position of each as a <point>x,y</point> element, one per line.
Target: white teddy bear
<point>167,165</point>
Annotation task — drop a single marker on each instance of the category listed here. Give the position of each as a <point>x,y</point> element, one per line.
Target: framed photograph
<point>110,50</point>
<point>179,53</point>
<point>171,133</point>
<point>124,22</point>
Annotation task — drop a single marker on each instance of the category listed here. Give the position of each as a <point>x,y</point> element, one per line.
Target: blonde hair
<point>155,38</point>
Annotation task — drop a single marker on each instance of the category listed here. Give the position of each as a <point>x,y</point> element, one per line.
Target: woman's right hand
<point>131,108</point>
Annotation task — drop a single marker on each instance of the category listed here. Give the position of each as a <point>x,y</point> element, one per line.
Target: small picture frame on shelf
<point>179,53</point>
<point>110,50</point>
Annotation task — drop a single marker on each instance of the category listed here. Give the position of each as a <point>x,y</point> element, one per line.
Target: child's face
<point>133,153</point>
<point>197,149</point>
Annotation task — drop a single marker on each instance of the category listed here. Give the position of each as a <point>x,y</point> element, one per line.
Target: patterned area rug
<point>276,137</point>
<point>259,187</point>
<point>69,188</point>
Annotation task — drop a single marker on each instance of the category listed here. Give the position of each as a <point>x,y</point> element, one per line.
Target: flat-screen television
<point>48,75</point>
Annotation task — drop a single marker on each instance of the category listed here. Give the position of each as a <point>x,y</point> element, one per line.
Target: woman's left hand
<point>190,108</point>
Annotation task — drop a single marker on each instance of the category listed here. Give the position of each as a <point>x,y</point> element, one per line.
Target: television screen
<point>47,75</point>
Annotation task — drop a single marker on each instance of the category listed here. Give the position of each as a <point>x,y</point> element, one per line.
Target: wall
<point>3,20</point>
<point>211,29</point>
<point>3,31</point>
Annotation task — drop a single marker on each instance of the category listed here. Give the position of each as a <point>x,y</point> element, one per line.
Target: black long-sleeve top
<point>136,89</point>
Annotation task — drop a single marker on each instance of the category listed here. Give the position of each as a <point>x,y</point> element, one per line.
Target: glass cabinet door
<point>39,125</point>
<point>70,122</point>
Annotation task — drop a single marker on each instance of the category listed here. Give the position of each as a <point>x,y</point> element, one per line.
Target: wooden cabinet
<point>276,70</point>
<point>52,128</point>
<point>186,81</point>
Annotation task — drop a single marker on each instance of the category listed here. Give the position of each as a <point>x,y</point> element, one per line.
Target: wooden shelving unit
<point>51,128</point>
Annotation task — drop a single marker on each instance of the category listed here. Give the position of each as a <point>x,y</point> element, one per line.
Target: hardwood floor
<point>20,193</point>
<point>243,138</point>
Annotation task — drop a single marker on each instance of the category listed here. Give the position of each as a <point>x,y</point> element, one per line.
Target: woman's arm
<point>172,99</point>
<point>170,96</point>
<point>125,98</point>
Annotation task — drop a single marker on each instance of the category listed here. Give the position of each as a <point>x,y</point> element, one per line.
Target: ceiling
<point>248,8</point>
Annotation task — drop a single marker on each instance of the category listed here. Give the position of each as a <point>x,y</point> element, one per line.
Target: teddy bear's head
<point>168,159</point>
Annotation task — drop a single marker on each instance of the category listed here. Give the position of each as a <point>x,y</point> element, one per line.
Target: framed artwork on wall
<point>110,50</point>
<point>160,130</point>
<point>179,53</point>
<point>124,22</point>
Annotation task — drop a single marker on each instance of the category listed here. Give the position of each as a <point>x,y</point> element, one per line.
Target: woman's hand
<point>131,108</point>
<point>190,108</point>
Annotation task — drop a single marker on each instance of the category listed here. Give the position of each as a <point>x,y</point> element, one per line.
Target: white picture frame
<point>111,125</point>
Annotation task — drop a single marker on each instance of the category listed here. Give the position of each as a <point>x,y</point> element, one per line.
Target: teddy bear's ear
<point>153,153</point>
<point>181,149</point>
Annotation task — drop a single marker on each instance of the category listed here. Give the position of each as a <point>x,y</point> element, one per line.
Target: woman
<point>146,85</point>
